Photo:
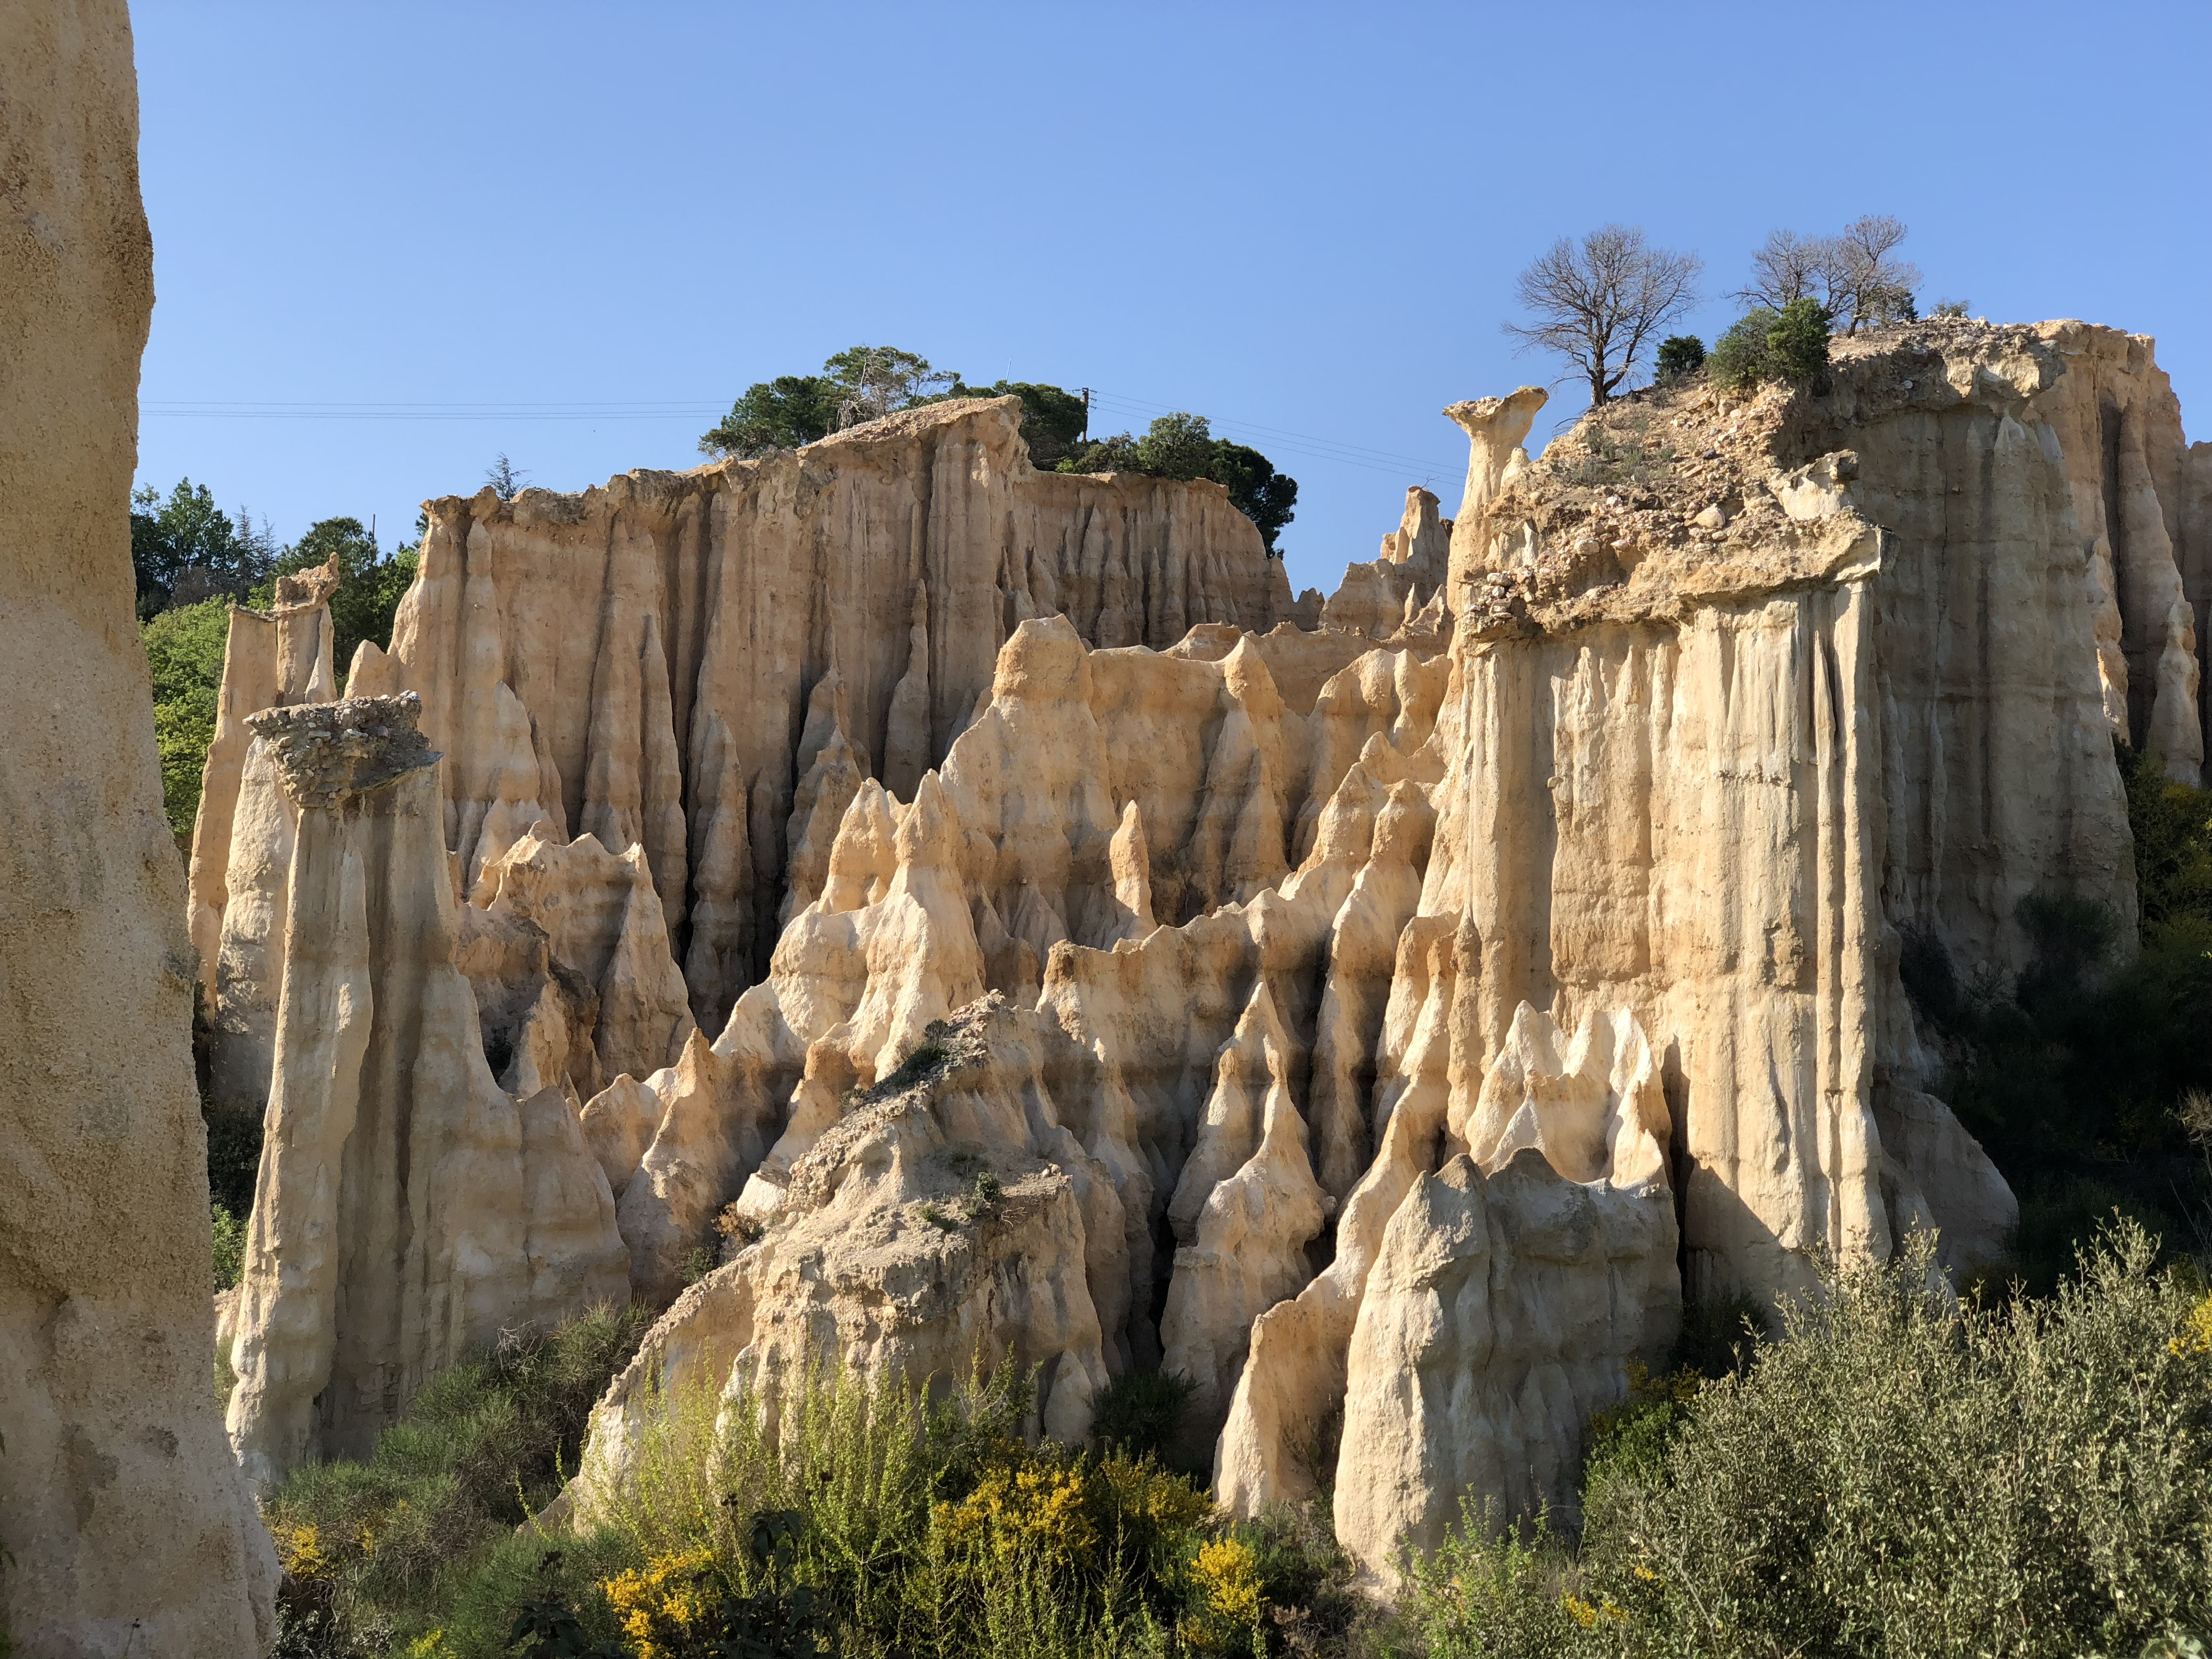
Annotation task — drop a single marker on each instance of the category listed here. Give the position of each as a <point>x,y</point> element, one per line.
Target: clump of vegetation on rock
<point>1789,345</point>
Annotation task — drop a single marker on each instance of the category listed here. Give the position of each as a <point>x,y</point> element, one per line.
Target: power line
<point>1308,445</point>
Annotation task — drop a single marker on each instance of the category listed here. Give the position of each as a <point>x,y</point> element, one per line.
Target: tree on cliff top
<point>186,549</point>
<point>860,383</point>
<point>868,382</point>
<point>1856,276</point>
<point>1599,303</point>
<point>1182,445</point>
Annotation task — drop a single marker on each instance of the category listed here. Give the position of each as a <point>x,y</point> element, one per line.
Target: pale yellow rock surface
<point>884,1256</point>
<point>269,659</point>
<point>399,1184</point>
<point>895,555</point>
<point>1389,1005</point>
<point>123,1525</point>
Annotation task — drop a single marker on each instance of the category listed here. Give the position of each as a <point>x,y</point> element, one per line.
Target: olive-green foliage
<point>184,650</point>
<point>1791,344</point>
<point>930,1529</point>
<point>1902,1474</point>
<point>859,383</point>
<point>185,549</point>
<point>1141,1412</point>
<point>1493,1591</point>
<point>420,1536</point>
<point>1739,358</point>
<point>897,1525</point>
<point>2070,1073</point>
<point>2171,824</point>
<point>1681,355</point>
<point>1627,449</point>
<point>234,1140</point>
<point>1182,445</point>
<point>783,413</point>
<point>230,1246</point>
<point>1797,342</point>
<point>1053,417</point>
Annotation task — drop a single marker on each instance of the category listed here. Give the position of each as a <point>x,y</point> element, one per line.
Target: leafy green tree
<point>1797,340</point>
<point>186,549</point>
<point>1680,355</point>
<point>1789,344</point>
<point>505,478</point>
<point>1258,491</point>
<point>784,413</point>
<point>874,381</point>
<point>1182,445</point>
<point>183,651</point>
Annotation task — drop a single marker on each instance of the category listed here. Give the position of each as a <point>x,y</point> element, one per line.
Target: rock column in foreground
<point>124,1528</point>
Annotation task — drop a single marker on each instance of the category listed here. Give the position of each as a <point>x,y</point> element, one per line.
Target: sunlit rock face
<point>1387,1026</point>
<point>124,1528</point>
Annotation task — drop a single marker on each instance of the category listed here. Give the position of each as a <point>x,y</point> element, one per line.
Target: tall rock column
<point>124,1526</point>
<point>1494,428</point>
<point>408,1209</point>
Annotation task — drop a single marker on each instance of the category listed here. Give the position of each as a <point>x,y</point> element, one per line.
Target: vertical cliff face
<point>408,1209</point>
<point>659,639</point>
<point>124,1528</point>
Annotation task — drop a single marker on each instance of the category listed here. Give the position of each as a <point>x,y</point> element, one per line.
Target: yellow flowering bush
<point>1226,1584</point>
<point>1031,1509</point>
<point>665,1604</point>
<point>2195,1337</point>
<point>300,1549</point>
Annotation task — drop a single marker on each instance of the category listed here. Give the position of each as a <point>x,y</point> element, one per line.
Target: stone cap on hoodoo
<point>326,753</point>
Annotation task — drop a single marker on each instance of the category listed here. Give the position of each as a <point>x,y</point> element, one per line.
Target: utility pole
<point>1086,414</point>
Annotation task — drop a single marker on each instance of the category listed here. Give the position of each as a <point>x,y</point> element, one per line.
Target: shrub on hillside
<point>1902,1474</point>
<point>1790,345</point>
<point>421,1536</point>
<point>1681,355</point>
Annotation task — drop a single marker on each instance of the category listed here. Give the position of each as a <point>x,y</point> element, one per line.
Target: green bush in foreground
<point>1895,1472</point>
<point>864,1517</point>
<point>1901,1474</point>
<point>422,1536</point>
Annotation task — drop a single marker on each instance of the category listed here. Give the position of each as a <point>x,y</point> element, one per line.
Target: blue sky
<point>1300,221</point>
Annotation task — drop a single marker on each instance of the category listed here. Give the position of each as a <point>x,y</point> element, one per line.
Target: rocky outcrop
<point>939,1226</point>
<point>124,1526</point>
<point>1387,1024</point>
<point>1379,597</point>
<point>408,1209</point>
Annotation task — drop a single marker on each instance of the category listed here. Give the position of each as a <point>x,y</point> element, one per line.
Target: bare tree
<point>1869,285</point>
<point>1853,276</point>
<point>1788,267</point>
<point>1599,302</point>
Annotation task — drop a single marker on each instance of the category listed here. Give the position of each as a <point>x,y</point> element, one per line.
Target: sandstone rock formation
<point>124,1528</point>
<point>1386,1023</point>
<point>408,1209</point>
